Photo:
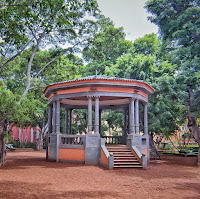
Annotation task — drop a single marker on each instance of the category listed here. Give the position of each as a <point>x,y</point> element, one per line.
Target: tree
<point>10,111</point>
<point>178,23</point>
<point>147,45</point>
<point>45,22</point>
<point>105,47</point>
<point>64,68</point>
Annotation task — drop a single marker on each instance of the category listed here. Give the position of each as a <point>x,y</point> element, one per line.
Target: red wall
<point>25,134</point>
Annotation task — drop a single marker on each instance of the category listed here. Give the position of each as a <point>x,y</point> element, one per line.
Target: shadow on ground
<point>36,191</point>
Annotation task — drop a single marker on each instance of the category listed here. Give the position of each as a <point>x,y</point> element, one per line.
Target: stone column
<point>66,121</point>
<point>96,119</point>
<point>132,114</point>
<point>129,118</point>
<point>58,116</point>
<point>100,122</point>
<point>70,122</point>
<point>90,115</point>
<point>50,119</point>
<point>125,122</point>
<point>146,119</point>
<point>137,130</point>
<point>54,117</point>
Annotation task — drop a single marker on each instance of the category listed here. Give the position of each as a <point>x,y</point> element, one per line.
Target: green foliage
<point>113,119</point>
<point>105,47</point>
<point>147,45</point>
<point>10,111</point>
<point>170,65</point>
<point>178,22</point>
<point>80,121</point>
<point>163,106</point>
<point>53,21</point>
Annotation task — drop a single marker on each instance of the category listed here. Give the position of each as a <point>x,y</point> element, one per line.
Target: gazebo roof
<point>111,90</point>
<point>99,78</point>
<point>102,77</point>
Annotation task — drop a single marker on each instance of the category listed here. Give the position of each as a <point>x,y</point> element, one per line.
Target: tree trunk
<point>153,148</point>
<point>42,136</point>
<point>2,152</point>
<point>28,76</point>
<point>2,146</point>
<point>195,132</point>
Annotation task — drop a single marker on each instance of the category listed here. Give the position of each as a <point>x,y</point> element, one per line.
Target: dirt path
<point>29,175</point>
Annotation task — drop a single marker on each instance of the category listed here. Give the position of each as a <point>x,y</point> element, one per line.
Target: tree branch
<point>13,57</point>
<point>43,69</point>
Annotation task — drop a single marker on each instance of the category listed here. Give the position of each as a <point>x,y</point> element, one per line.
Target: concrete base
<point>92,149</point>
<point>146,146</point>
<point>54,146</point>
<point>124,137</point>
<point>134,140</point>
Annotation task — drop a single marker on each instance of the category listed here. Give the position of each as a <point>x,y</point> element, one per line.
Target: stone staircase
<point>123,157</point>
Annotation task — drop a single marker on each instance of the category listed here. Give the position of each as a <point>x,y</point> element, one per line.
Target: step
<point>125,160</point>
<point>124,155</point>
<point>123,150</point>
<point>120,147</point>
<point>128,166</point>
<point>124,163</point>
<point>115,145</point>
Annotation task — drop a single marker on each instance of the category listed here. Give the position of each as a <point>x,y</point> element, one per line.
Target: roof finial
<point>96,72</point>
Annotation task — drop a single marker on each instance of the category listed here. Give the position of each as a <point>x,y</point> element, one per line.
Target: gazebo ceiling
<point>112,91</point>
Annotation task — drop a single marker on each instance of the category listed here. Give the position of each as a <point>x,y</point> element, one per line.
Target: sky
<point>129,14</point>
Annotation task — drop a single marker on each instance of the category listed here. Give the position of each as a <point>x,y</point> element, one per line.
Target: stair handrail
<point>106,152</point>
<point>108,155</point>
<point>138,153</point>
<point>141,156</point>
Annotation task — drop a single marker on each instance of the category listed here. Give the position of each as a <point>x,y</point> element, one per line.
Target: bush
<point>30,145</point>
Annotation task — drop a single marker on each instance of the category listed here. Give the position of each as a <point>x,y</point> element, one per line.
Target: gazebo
<point>96,93</point>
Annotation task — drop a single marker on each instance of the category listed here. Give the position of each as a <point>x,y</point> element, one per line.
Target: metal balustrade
<point>113,139</point>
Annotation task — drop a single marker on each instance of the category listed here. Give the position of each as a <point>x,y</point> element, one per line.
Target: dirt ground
<point>29,175</point>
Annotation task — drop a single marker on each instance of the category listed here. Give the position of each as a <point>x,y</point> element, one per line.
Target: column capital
<point>145,103</point>
<point>132,99</point>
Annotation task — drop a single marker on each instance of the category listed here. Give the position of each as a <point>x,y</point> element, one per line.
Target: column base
<point>92,149</point>
<point>54,146</point>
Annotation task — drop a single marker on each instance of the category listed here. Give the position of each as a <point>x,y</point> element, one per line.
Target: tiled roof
<point>98,77</point>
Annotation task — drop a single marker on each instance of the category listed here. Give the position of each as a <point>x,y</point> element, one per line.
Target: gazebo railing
<point>77,140</point>
<point>112,139</point>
